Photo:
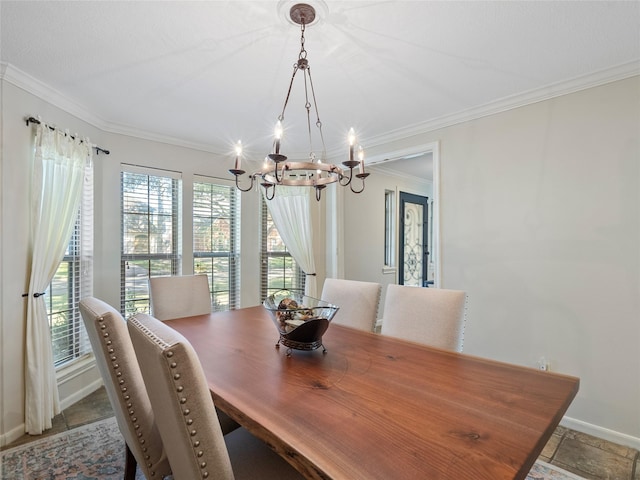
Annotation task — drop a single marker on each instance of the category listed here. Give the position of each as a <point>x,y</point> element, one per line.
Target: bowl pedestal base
<point>293,345</point>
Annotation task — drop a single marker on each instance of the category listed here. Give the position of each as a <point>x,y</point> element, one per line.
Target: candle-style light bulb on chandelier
<point>277,170</point>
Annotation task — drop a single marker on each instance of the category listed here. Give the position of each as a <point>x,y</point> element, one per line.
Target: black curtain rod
<point>38,122</point>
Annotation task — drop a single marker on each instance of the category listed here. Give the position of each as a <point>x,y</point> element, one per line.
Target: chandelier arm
<point>357,191</point>
<point>341,176</point>
<point>251,177</point>
<point>266,190</point>
<point>275,171</point>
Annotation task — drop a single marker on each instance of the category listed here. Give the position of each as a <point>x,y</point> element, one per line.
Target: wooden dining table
<point>375,407</point>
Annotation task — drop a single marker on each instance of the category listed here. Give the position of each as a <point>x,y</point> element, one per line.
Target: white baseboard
<point>601,432</point>
<point>80,394</point>
<point>12,435</point>
<point>84,373</point>
<point>77,381</point>
<point>18,431</point>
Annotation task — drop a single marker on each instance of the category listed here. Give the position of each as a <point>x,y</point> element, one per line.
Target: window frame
<point>232,254</point>
<point>155,264</point>
<point>390,230</point>
<point>78,264</point>
<point>294,283</point>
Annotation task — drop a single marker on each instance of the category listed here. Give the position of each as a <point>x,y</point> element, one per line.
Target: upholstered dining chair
<point>358,302</point>
<point>178,388</point>
<point>184,296</point>
<point>433,316</point>
<point>125,388</point>
<point>179,296</point>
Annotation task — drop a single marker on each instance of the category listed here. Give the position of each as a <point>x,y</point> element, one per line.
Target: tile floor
<point>589,457</point>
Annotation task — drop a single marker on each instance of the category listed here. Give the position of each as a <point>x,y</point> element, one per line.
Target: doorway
<point>337,230</point>
<point>414,240</point>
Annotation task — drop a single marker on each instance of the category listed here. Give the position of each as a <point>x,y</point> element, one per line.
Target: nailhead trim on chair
<point>183,400</point>
<point>189,421</point>
<point>123,388</point>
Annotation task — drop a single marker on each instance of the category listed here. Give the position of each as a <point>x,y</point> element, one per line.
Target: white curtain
<point>58,173</point>
<point>291,213</point>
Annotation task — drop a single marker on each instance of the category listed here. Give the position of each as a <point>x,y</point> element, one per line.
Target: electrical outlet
<point>543,365</point>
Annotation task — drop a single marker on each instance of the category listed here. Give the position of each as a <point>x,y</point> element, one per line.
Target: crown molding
<point>30,84</point>
<point>34,86</point>
<point>583,82</point>
<point>129,131</point>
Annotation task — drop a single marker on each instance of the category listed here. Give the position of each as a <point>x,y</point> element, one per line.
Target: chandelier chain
<point>303,52</point>
<point>286,100</point>
<point>318,122</point>
<point>307,107</point>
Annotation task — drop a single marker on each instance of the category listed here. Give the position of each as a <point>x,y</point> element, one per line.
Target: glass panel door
<point>414,252</point>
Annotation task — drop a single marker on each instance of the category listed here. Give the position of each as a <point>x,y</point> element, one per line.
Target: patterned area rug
<point>96,452</point>
<point>90,452</point>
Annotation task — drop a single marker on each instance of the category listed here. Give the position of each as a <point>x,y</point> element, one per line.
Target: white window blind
<point>216,240</point>
<point>278,268</point>
<point>151,233</point>
<point>73,281</point>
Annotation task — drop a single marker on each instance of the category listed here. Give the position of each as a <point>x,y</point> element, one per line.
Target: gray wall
<point>540,219</point>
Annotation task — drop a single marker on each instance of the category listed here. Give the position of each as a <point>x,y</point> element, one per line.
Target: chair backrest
<point>178,388</point>
<point>124,384</point>
<point>433,316</point>
<point>358,302</point>
<point>179,296</point>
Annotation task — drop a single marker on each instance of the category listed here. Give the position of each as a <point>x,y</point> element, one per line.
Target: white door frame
<point>434,149</point>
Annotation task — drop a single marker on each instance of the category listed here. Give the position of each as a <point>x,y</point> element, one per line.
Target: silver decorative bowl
<point>301,320</point>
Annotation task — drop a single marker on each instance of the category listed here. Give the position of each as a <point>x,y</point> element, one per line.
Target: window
<point>151,239</point>
<point>215,240</point>
<point>389,228</point>
<point>278,268</point>
<point>72,281</point>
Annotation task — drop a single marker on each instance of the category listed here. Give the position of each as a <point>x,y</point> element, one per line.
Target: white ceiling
<point>206,74</point>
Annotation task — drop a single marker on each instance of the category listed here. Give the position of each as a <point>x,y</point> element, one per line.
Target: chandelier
<point>277,169</point>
